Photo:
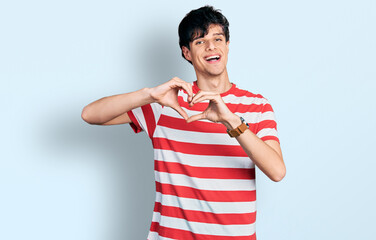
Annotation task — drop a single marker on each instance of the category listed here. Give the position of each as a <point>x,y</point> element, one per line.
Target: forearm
<point>267,159</point>
<point>264,156</point>
<point>107,108</point>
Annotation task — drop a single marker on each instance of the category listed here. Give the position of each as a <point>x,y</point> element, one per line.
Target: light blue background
<point>61,178</point>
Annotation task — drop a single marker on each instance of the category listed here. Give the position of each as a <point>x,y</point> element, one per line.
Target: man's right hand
<point>113,109</point>
<point>166,94</point>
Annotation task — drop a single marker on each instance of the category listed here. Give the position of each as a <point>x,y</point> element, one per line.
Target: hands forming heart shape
<point>167,95</point>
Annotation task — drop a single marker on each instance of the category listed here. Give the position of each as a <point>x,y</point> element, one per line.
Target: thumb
<point>180,111</point>
<point>196,117</point>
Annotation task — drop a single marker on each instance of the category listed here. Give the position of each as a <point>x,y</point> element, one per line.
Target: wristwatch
<point>239,130</point>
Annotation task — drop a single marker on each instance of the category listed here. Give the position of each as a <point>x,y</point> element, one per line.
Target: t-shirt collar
<point>196,89</point>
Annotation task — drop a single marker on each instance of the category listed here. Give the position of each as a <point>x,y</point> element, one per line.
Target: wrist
<point>232,121</point>
<point>148,92</point>
<point>237,131</point>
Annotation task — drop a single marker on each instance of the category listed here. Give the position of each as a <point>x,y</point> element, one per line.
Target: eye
<point>218,39</point>
<point>199,42</point>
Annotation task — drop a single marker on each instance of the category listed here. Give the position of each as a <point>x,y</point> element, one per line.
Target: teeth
<point>212,57</point>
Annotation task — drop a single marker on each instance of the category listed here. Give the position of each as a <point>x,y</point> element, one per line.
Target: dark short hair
<point>196,24</point>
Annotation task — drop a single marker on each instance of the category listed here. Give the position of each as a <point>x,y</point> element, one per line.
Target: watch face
<point>241,118</point>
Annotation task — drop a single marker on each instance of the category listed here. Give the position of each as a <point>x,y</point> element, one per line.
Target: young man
<point>207,136</point>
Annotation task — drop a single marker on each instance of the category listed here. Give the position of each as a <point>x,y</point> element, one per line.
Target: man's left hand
<point>217,111</point>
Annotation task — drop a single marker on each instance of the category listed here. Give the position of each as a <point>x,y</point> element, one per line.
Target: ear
<point>186,53</point>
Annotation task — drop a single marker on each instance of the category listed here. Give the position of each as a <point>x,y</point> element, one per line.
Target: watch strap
<point>238,130</point>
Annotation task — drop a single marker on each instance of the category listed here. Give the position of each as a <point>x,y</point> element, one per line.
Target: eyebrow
<point>215,34</point>
<point>196,38</point>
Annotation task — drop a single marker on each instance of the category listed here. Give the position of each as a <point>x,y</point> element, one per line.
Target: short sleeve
<point>267,125</point>
<point>145,118</point>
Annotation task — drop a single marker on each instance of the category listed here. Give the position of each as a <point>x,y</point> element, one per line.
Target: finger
<point>203,98</point>
<point>198,95</point>
<point>180,111</point>
<point>190,93</point>
<point>196,117</point>
<point>188,86</point>
<point>188,89</point>
<point>178,79</point>
<point>184,85</point>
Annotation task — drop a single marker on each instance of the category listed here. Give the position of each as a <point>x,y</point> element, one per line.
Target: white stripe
<point>267,132</point>
<point>231,98</point>
<point>164,238</point>
<point>203,161</point>
<point>140,118</point>
<point>205,206</point>
<point>267,116</point>
<point>195,137</point>
<point>205,183</point>
<point>205,228</point>
<point>157,110</point>
<point>155,236</point>
<point>172,113</point>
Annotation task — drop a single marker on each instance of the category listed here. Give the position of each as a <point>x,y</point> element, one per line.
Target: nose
<point>210,45</point>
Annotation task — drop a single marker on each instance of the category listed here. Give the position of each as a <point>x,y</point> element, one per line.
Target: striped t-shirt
<point>205,182</point>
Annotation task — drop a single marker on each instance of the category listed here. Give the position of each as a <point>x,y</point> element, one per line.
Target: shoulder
<point>247,97</point>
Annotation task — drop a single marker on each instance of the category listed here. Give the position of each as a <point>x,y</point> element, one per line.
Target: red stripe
<point>206,195</point>
<point>149,119</point>
<point>204,127</point>
<point>234,91</point>
<point>267,124</point>
<point>205,217</point>
<point>204,172</point>
<point>134,124</point>
<point>181,124</point>
<point>199,149</point>
<point>267,108</point>
<point>187,235</point>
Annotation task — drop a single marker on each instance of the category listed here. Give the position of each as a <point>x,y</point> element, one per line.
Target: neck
<point>217,84</point>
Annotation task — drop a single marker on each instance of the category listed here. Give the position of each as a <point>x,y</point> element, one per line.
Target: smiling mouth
<point>213,58</point>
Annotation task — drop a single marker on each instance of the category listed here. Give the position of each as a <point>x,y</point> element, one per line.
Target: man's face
<point>208,54</point>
